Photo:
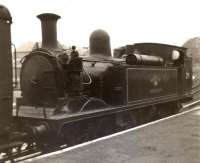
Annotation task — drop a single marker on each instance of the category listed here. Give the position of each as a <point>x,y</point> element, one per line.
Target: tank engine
<point>69,96</point>
<point>64,94</point>
<point>72,99</point>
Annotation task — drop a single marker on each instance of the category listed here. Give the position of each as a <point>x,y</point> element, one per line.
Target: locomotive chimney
<point>49,30</point>
<point>5,70</point>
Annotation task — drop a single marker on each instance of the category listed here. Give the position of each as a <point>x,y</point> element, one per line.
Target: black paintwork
<point>5,71</point>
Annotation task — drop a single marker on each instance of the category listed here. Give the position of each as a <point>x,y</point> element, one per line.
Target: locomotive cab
<point>172,56</point>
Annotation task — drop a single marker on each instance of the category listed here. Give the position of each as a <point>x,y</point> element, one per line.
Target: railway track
<point>196,83</point>
<point>196,89</point>
<point>37,153</point>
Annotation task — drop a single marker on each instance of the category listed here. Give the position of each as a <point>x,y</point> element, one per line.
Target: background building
<point>193,46</point>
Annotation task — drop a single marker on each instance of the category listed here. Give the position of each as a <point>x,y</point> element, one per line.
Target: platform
<point>173,140</point>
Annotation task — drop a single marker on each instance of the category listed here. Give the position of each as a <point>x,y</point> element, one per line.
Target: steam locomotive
<point>71,99</point>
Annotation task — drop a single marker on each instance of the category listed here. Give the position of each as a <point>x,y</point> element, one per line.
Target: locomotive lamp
<point>175,55</point>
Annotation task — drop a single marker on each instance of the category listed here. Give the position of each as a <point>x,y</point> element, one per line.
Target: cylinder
<point>6,95</point>
<point>49,30</point>
<point>139,59</point>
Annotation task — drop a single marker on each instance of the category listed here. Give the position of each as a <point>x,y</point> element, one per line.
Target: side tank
<point>6,95</point>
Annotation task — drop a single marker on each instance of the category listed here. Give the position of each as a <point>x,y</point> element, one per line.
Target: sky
<point>126,21</point>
